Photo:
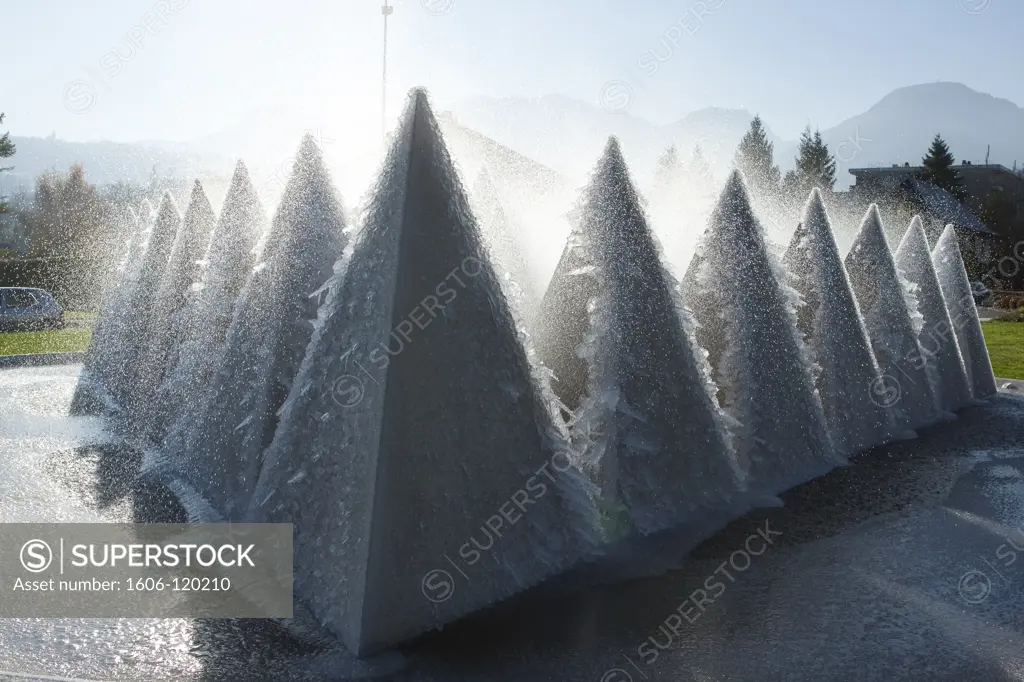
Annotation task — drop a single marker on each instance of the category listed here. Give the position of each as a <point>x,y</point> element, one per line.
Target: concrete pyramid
<point>143,305</point>
<point>227,267</point>
<point>834,330</point>
<point>218,451</point>
<point>92,394</point>
<point>648,430</point>
<point>937,336</point>
<point>416,416</point>
<point>169,320</point>
<point>956,290</point>
<point>746,320</point>
<point>893,323</point>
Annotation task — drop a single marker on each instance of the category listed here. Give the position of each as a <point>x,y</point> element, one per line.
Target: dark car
<point>22,308</point>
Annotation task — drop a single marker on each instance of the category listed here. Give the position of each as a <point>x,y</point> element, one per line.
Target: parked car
<point>22,308</point>
<point>980,292</point>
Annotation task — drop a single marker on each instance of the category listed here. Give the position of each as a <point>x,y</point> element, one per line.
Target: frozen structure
<point>214,454</point>
<point>229,262</point>
<point>416,420</point>
<point>92,394</point>
<point>956,290</point>
<point>746,319</point>
<point>833,329</point>
<point>500,236</point>
<point>168,321</point>
<point>142,304</point>
<point>647,430</point>
<point>937,337</point>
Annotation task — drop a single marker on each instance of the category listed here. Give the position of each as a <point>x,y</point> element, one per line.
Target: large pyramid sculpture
<point>416,417</point>
<point>893,323</point>
<point>232,255</point>
<point>747,323</point>
<point>833,329</point>
<point>647,429</point>
<point>956,290</point>
<point>168,324</point>
<point>217,447</point>
<point>142,306</point>
<point>938,338</point>
<point>92,394</point>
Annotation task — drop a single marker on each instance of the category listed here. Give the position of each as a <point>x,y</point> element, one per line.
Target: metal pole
<point>386,10</point>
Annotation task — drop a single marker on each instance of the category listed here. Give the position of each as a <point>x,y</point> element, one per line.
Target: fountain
<point>746,320</point>
<point>938,339</point>
<point>379,393</point>
<point>893,323</point>
<point>956,290</point>
<point>832,327</point>
<point>613,331</point>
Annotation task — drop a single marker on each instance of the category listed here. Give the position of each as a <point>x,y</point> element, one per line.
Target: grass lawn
<point>59,341</point>
<point>1005,341</point>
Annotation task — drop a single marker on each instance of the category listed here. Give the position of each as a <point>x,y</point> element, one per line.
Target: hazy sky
<point>182,69</point>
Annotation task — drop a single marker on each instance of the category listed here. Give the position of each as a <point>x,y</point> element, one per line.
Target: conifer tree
<point>815,166</point>
<point>7,150</point>
<point>939,169</point>
<point>755,157</point>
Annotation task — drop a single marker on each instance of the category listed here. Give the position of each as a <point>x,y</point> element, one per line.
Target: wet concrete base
<point>901,566</point>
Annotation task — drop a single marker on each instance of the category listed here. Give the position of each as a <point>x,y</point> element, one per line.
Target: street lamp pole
<point>386,10</point>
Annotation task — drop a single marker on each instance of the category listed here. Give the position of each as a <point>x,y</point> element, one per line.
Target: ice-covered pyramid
<point>746,320</point>
<point>503,241</point>
<point>938,338</point>
<point>893,323</point>
<point>956,290</point>
<point>142,306</point>
<point>217,446</point>
<point>226,269</point>
<point>416,457</point>
<point>91,393</point>
<point>168,321</point>
<point>647,429</point>
<point>832,327</point>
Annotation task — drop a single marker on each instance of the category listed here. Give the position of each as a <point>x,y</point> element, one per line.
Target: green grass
<point>59,341</point>
<point>1005,341</point>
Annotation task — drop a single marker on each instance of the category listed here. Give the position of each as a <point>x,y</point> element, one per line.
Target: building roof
<point>944,206</point>
<point>898,169</point>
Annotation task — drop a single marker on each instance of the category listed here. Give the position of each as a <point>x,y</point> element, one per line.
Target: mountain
<point>901,125</point>
<point>568,135</point>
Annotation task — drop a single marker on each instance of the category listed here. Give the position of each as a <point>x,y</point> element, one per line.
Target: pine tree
<point>815,166</point>
<point>939,169</point>
<point>7,150</point>
<point>755,157</point>
<point>668,169</point>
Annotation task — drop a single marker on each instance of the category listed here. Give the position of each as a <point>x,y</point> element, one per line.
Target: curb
<point>37,359</point>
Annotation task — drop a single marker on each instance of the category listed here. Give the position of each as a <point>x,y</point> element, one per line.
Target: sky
<point>182,70</point>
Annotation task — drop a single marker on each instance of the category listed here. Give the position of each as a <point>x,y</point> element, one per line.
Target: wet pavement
<point>902,566</point>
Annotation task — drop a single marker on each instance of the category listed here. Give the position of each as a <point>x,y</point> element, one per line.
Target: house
<point>901,194</point>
